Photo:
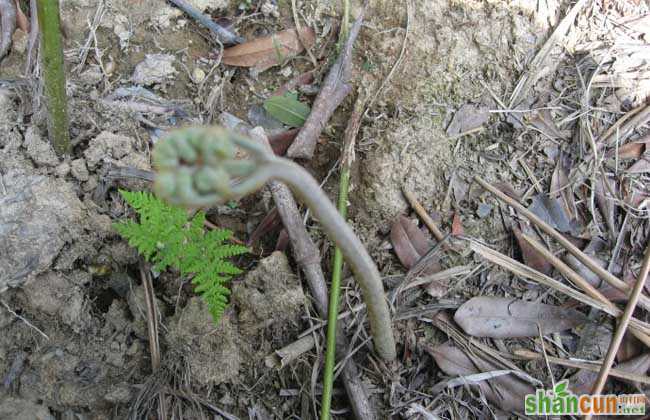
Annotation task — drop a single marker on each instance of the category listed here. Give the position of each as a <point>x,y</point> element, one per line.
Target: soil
<point>74,342</point>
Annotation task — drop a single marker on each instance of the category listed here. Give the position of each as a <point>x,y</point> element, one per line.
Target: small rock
<point>62,170</point>
<point>483,210</point>
<point>286,72</point>
<point>39,150</point>
<point>102,223</point>
<point>155,69</point>
<point>38,217</point>
<point>269,293</point>
<point>90,185</point>
<point>19,42</point>
<point>79,169</point>
<point>198,75</point>
<point>213,352</point>
<point>53,294</point>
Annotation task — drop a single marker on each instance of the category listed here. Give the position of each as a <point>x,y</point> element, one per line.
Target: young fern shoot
<point>197,167</point>
<point>166,237</point>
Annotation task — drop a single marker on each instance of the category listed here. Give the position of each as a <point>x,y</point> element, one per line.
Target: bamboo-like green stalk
<point>54,75</point>
<point>337,266</point>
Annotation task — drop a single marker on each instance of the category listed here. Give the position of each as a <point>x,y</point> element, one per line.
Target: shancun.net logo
<point>561,401</point>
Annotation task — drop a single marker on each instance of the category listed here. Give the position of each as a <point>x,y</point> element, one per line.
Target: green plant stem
<point>333,306</point>
<point>335,288</point>
<point>54,75</point>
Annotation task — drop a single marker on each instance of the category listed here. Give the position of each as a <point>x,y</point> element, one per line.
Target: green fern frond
<point>166,237</point>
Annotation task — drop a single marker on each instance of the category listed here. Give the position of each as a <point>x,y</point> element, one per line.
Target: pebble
<point>79,169</point>
<point>483,210</point>
<point>198,75</point>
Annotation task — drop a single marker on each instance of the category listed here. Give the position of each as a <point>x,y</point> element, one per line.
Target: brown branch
<point>308,258</point>
<point>584,258</point>
<point>335,89</point>
<point>622,327</point>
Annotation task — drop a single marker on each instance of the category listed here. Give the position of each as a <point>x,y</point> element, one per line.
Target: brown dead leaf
<point>605,203</point>
<point>457,225</point>
<point>507,392</point>
<point>531,257</point>
<point>269,223</point>
<point>409,242</point>
<point>269,51</point>
<point>561,189</point>
<point>280,142</point>
<point>497,317</point>
<point>632,150</point>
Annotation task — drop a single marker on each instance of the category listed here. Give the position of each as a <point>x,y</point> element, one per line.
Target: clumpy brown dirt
<point>74,342</point>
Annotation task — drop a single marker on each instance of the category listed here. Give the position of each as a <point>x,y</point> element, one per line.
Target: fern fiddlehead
<point>199,166</point>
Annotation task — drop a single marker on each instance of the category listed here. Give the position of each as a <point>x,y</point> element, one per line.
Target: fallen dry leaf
<point>280,142</point>
<point>532,258</point>
<point>498,317</point>
<point>507,392</point>
<point>551,211</point>
<point>468,117</point>
<point>409,242</point>
<point>269,223</point>
<point>561,187</point>
<point>606,203</point>
<point>269,51</point>
<point>632,150</point>
<point>457,225</point>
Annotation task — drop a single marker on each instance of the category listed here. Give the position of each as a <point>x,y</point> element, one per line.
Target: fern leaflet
<point>166,237</point>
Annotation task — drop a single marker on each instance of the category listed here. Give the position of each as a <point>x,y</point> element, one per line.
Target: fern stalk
<point>198,167</point>
<point>54,75</point>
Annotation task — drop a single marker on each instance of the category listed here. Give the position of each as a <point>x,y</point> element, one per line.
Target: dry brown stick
<point>422,213</point>
<point>335,89</point>
<point>592,366</point>
<point>568,272</point>
<point>152,329</point>
<point>622,326</point>
<point>584,258</point>
<point>308,258</point>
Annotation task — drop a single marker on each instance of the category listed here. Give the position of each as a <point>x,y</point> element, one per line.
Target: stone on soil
<point>38,217</point>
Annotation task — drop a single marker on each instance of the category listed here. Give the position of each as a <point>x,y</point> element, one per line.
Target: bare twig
<point>335,89</point>
<point>622,326</point>
<point>29,324</point>
<point>584,258</point>
<point>222,34</point>
<point>152,329</point>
